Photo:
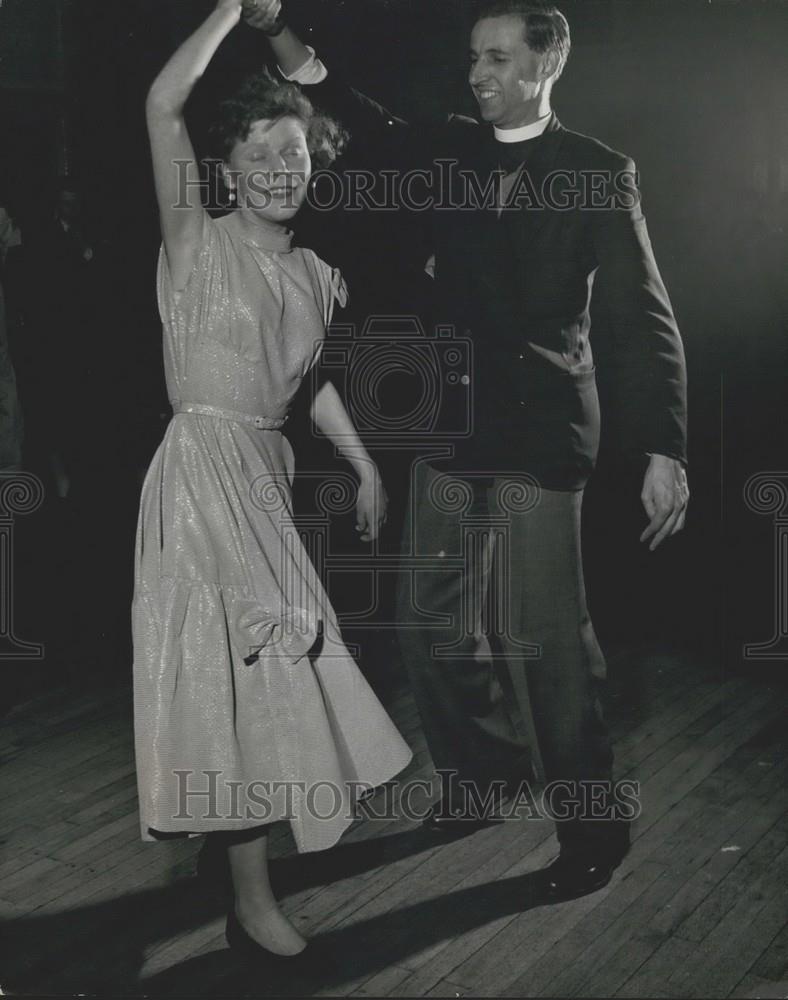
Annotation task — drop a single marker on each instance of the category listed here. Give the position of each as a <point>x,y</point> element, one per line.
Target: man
<point>516,277</point>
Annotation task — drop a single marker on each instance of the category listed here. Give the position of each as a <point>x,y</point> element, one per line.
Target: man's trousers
<point>492,608</point>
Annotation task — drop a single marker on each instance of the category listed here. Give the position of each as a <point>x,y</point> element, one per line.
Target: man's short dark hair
<point>546,28</point>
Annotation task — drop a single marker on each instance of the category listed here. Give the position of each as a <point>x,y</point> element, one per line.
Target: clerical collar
<point>524,132</point>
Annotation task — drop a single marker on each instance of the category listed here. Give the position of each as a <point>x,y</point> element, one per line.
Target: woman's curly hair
<point>261,97</point>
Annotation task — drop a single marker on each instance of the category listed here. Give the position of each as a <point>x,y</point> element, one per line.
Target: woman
<point>248,707</point>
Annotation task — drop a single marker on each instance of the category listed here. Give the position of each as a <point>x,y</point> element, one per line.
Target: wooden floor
<point>698,908</point>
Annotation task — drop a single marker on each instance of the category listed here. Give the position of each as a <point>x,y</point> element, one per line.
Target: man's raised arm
<point>409,145</point>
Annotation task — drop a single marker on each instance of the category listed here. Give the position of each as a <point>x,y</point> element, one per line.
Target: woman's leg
<point>255,905</point>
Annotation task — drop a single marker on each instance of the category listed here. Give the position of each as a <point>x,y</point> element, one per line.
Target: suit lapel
<point>498,246</point>
<point>525,222</point>
<point>506,242</point>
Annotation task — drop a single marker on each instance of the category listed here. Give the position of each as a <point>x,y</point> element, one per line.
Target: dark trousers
<point>493,614</point>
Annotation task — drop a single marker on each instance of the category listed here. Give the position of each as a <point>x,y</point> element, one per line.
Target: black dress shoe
<point>251,951</point>
<point>574,875</point>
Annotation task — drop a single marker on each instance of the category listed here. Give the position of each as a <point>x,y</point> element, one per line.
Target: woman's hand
<point>230,7</point>
<point>331,418</point>
<point>371,505</point>
<point>262,14</point>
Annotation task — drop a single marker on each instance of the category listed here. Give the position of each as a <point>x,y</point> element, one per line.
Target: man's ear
<point>548,64</point>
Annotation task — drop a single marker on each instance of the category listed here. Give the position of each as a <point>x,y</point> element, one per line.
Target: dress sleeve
<point>339,292</point>
<point>330,286</point>
<point>331,290</point>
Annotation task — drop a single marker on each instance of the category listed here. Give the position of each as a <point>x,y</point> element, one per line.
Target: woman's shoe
<point>248,948</point>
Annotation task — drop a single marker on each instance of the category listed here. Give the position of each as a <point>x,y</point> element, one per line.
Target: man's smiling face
<point>505,73</point>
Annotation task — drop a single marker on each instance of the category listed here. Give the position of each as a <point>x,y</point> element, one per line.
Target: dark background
<point>695,91</point>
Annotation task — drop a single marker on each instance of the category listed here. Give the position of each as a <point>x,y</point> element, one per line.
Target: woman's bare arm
<point>175,168</point>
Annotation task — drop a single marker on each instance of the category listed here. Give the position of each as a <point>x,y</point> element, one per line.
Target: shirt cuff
<point>311,71</point>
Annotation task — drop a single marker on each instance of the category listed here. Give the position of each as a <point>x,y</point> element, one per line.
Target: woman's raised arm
<point>175,168</point>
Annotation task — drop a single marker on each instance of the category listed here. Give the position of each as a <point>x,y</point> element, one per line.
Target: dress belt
<point>204,410</point>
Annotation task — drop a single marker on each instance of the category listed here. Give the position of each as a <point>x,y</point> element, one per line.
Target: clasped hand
<point>262,14</point>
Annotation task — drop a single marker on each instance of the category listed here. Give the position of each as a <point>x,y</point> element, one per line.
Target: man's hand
<point>262,14</point>
<point>665,497</point>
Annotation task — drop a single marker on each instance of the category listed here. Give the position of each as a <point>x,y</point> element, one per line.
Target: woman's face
<point>270,169</point>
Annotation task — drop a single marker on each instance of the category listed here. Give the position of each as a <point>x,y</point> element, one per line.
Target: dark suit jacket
<point>518,285</point>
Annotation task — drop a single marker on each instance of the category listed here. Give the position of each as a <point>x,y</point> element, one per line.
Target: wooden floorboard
<point>698,908</point>
<point>484,968</point>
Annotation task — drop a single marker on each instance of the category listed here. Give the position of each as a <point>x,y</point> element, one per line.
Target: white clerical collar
<point>524,132</point>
